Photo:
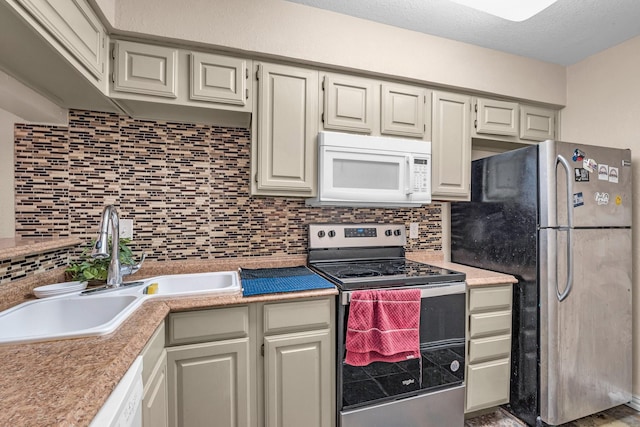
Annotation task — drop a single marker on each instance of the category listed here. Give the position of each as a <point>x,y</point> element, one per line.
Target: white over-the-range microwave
<point>371,171</point>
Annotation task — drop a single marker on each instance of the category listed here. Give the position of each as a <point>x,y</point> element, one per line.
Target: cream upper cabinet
<point>362,105</point>
<point>145,69</point>
<point>537,124</point>
<point>218,78</point>
<point>450,146</point>
<point>495,117</point>
<point>284,144</point>
<point>512,121</point>
<point>166,83</point>
<point>488,346</point>
<point>74,24</point>
<point>404,110</point>
<point>349,103</point>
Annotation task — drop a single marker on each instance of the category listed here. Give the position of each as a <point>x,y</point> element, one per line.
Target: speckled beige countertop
<point>66,382</point>
<point>475,276</point>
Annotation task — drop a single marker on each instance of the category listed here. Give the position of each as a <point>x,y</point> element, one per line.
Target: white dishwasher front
<point>123,408</point>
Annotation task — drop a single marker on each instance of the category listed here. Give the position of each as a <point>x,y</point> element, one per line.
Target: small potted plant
<point>94,270</point>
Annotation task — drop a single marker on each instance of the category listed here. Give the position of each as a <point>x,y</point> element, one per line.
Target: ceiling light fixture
<point>513,10</point>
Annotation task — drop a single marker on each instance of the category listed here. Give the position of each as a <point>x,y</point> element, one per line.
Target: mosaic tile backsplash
<point>186,187</point>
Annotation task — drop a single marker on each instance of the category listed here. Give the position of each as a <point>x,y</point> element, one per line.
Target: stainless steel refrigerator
<point>557,216</point>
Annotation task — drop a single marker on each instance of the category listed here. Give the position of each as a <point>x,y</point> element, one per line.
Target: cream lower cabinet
<point>256,365</point>
<point>209,384</point>
<point>284,146</point>
<point>450,146</point>
<point>154,380</point>
<point>208,368</point>
<point>155,399</point>
<point>488,346</point>
<point>299,364</point>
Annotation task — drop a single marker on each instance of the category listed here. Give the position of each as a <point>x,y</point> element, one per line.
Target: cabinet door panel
<point>403,110</point>
<point>487,384</point>
<point>537,124</point>
<point>155,399</point>
<point>451,146</point>
<point>287,130</point>
<point>209,384</point>
<point>217,78</point>
<point>297,383</point>
<point>497,117</point>
<point>349,104</point>
<point>146,69</point>
<point>75,26</point>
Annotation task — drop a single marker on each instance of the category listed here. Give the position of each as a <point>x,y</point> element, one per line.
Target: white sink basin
<point>66,317</point>
<point>73,316</point>
<point>222,282</point>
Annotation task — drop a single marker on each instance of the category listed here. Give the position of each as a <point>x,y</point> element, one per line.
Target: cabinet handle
<point>246,93</point>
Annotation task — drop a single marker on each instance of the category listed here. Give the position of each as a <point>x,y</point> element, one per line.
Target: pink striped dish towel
<point>383,326</point>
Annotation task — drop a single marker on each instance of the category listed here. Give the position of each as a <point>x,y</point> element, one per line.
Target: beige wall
<point>603,107</point>
<point>282,29</point>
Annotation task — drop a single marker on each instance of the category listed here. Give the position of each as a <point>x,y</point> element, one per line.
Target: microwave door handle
<point>409,160</point>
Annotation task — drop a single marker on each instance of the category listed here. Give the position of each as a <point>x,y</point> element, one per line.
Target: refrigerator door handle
<point>569,229</point>
<point>569,283</point>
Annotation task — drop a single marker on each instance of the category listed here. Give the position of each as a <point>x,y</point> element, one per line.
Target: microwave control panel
<point>421,175</point>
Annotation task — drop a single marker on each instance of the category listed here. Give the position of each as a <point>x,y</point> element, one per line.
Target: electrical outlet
<point>126,228</point>
<point>413,230</point>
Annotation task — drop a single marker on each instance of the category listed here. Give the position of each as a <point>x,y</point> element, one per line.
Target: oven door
<point>442,347</point>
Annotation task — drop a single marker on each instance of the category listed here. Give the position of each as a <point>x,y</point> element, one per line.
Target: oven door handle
<point>425,291</point>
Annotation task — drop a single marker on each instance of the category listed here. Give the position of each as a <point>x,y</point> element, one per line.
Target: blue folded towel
<point>288,279</point>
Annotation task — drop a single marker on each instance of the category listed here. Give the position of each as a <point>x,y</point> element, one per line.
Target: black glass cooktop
<point>362,274</point>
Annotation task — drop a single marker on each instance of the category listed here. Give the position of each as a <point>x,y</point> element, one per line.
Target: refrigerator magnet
<point>590,165</point>
<point>603,172</point>
<point>618,200</point>
<point>578,200</point>
<point>581,175</point>
<point>578,155</point>
<point>602,198</point>
<point>613,174</point>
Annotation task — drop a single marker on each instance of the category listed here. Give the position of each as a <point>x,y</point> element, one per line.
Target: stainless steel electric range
<point>422,392</point>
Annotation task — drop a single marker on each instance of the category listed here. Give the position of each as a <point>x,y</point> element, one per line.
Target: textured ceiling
<point>564,33</point>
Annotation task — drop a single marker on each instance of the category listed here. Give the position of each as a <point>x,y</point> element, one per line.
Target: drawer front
<point>487,385</point>
<point>490,298</point>
<point>297,315</point>
<point>208,325</point>
<point>482,324</point>
<point>481,349</point>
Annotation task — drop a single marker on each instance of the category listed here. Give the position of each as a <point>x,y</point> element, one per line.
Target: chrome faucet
<point>100,250</point>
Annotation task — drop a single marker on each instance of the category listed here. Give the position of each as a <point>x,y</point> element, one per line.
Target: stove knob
<point>321,234</point>
<point>332,233</point>
<point>397,232</point>
<point>387,233</point>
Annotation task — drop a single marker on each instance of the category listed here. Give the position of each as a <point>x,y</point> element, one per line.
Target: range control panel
<point>356,235</point>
